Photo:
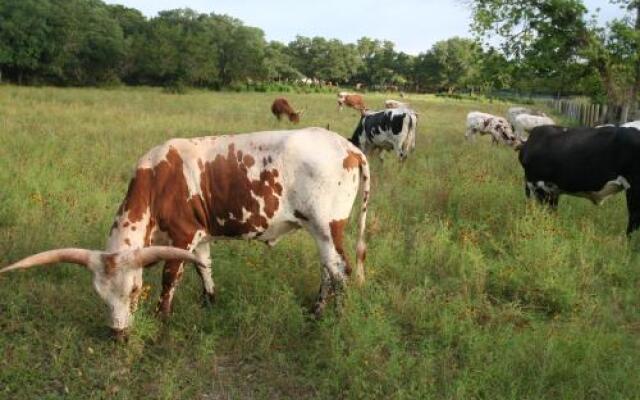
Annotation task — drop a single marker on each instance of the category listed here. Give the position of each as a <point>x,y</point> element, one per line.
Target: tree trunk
<point>624,114</point>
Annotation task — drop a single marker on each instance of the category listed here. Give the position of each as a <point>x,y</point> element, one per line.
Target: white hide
<point>525,123</point>
<point>483,123</point>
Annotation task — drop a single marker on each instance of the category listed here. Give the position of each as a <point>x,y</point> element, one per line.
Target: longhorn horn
<point>151,255</point>
<point>70,255</point>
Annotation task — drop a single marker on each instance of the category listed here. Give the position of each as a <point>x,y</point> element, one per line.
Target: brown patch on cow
<point>126,224</point>
<point>487,122</point>
<point>352,160</point>
<point>229,194</point>
<point>337,236</point>
<point>300,215</point>
<point>248,160</point>
<point>127,242</point>
<point>172,211</point>
<point>109,262</point>
<point>133,228</point>
<point>137,200</point>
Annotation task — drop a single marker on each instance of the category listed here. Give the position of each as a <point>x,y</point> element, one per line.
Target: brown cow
<point>282,107</point>
<point>354,101</point>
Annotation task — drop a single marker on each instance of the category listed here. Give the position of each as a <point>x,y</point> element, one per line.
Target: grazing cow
<point>395,104</point>
<point>513,112</point>
<point>187,192</point>
<point>281,107</point>
<point>594,163</point>
<point>354,101</point>
<point>483,123</point>
<point>526,122</point>
<point>391,129</point>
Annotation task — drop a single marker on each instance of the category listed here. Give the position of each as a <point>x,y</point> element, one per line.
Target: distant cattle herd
<point>260,186</point>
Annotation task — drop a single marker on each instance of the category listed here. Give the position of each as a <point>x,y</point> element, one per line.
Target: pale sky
<point>413,25</point>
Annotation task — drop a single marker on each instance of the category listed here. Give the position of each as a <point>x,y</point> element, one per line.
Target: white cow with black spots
<point>390,129</point>
<point>479,123</point>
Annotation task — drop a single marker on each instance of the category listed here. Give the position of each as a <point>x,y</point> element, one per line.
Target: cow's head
<point>506,133</point>
<point>117,277</point>
<point>295,116</point>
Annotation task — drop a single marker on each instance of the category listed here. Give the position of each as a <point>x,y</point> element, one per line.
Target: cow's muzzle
<point>120,335</point>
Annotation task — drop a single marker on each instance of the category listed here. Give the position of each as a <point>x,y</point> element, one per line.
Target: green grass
<point>471,291</point>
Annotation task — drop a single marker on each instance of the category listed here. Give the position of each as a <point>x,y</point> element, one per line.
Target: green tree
<point>627,33</point>
<point>87,44</point>
<point>134,27</point>
<point>328,60</point>
<point>544,37</point>
<point>449,65</point>
<point>24,37</point>
<point>278,63</point>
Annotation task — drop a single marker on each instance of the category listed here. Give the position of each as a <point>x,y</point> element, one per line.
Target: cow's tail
<point>361,247</point>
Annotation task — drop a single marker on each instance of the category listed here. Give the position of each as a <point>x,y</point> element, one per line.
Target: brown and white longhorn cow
<point>354,101</point>
<point>187,192</point>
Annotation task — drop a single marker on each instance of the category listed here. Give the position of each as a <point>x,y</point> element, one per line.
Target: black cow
<point>391,129</point>
<point>586,162</point>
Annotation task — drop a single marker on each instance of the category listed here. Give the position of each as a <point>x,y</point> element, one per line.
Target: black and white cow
<point>594,163</point>
<point>390,129</point>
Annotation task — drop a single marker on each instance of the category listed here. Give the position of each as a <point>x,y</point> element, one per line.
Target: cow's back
<point>578,159</point>
<point>228,186</point>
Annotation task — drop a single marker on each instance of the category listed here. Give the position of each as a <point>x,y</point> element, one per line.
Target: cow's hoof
<point>163,312</point>
<point>208,300</point>
<point>318,309</point>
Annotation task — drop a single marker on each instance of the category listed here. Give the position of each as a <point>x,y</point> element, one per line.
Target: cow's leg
<point>381,155</point>
<point>171,275</point>
<point>548,199</point>
<point>203,251</point>
<point>470,135</point>
<point>552,201</point>
<point>329,240</point>
<point>545,197</point>
<point>633,207</point>
<point>326,290</point>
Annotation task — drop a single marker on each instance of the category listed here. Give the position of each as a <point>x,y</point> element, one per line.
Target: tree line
<point>544,47</point>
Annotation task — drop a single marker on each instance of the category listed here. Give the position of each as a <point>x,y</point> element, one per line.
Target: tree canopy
<point>535,46</point>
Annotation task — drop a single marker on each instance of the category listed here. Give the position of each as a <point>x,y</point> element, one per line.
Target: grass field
<point>471,291</point>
